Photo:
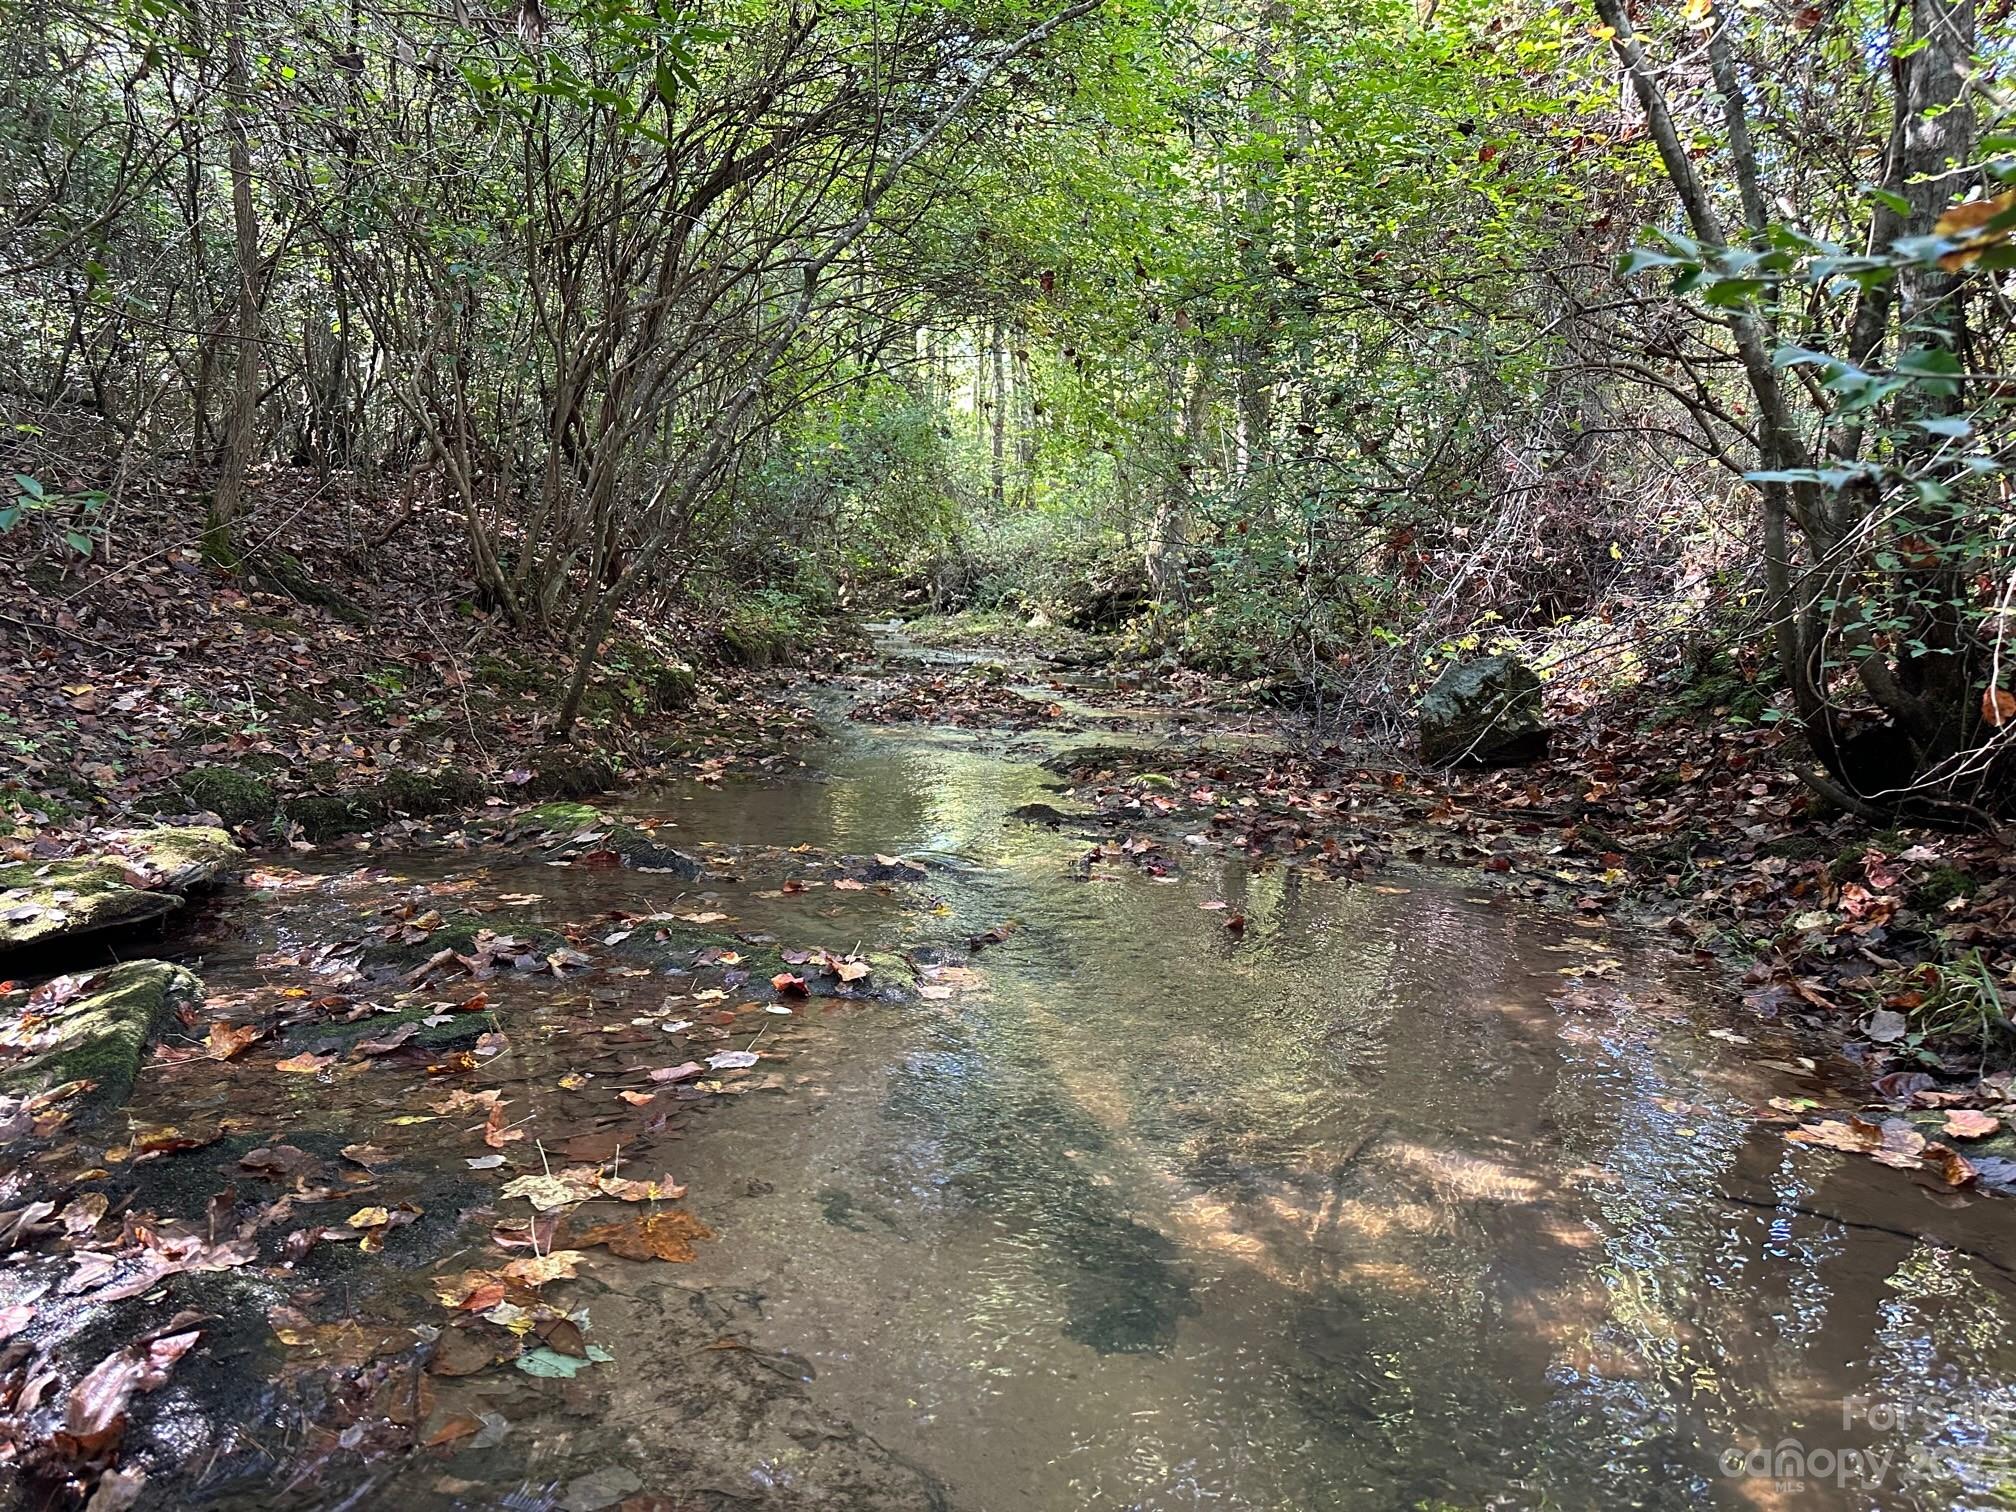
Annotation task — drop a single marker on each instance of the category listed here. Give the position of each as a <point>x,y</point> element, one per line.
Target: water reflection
<point>1345,1211</point>
<point>1395,1199</point>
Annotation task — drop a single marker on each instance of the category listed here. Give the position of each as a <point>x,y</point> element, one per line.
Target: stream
<point>1401,1196</point>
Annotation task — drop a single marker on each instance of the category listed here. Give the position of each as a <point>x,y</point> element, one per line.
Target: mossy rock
<point>457,1028</point>
<point>752,646</point>
<point>571,817</point>
<point>62,900</point>
<point>458,933</point>
<point>674,686</point>
<point>231,793</point>
<point>104,1032</point>
<point>325,816</point>
<point>421,793</point>
<point>638,847</point>
<point>572,777</point>
<point>508,676</point>
<point>43,903</point>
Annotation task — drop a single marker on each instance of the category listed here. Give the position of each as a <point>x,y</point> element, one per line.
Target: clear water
<point>1400,1198</point>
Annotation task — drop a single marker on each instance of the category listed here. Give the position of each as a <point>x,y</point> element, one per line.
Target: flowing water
<point>1400,1197</point>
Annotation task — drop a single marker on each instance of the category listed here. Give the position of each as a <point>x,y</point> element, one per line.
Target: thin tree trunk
<point>227,503</point>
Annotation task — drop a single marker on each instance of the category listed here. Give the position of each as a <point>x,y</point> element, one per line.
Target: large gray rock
<point>1483,712</point>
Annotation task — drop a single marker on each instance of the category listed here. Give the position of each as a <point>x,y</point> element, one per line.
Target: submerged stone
<point>1483,712</point>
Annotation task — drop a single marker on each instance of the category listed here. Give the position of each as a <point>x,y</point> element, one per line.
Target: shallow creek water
<point>1401,1197</point>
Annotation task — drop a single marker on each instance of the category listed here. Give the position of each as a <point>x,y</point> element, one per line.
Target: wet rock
<point>600,1488</point>
<point>132,877</point>
<point>883,869</point>
<point>95,1029</point>
<point>1042,813</point>
<point>632,844</point>
<point>1483,712</point>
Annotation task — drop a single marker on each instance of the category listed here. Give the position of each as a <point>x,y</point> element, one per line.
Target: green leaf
<point>30,486</point>
<point>1930,362</point>
<point>553,1365</point>
<point>78,542</point>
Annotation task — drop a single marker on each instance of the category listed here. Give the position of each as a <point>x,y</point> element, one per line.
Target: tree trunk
<point>227,502</point>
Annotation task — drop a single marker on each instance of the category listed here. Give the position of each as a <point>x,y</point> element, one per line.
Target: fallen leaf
<point>664,1235</point>
<point>1970,1123</point>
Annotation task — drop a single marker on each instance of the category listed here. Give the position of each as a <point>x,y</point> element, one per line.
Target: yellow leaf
<point>370,1217</point>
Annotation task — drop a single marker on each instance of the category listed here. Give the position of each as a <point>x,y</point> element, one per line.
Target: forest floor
<point>345,682</point>
<point>502,975</point>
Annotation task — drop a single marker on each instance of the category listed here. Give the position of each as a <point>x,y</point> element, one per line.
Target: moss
<point>458,933</point>
<point>13,796</point>
<point>105,1031</point>
<point>325,816</point>
<point>1796,848</point>
<point>282,572</point>
<point>1940,886</point>
<point>508,676</point>
<point>425,792</point>
<point>42,903</point>
<point>573,777</point>
<point>746,645</point>
<point>572,817</point>
<point>458,1029</point>
<point>231,793</point>
<point>674,685</point>
<point>1847,863</point>
<point>61,900</point>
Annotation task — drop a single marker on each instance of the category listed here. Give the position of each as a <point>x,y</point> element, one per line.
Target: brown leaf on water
<point>623,1189</point>
<point>385,1044</point>
<point>1855,1135</point>
<point>496,1132</point>
<point>537,1270</point>
<point>228,1041</point>
<point>472,1291</point>
<point>307,1063</point>
<point>367,1155</point>
<point>663,1235</point>
<point>166,1140</point>
<point>345,1341</point>
<point>1969,1123</point>
<point>464,1351</point>
<point>458,1425</point>
<point>94,1417</point>
<point>1948,1165</point>
<point>563,1336</point>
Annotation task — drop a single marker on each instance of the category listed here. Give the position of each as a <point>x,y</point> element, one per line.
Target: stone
<point>132,877</point>
<point>99,1032</point>
<point>1483,712</point>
